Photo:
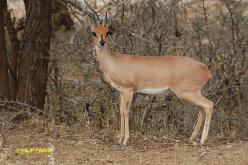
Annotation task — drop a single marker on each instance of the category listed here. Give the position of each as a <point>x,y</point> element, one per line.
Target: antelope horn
<point>106,18</point>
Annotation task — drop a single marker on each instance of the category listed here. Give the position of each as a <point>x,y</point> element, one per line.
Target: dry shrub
<point>78,95</point>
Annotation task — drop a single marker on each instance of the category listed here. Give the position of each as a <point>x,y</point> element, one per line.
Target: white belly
<point>149,91</point>
<point>155,91</point>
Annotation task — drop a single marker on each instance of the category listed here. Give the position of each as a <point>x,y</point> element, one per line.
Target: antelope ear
<point>89,28</point>
<point>110,32</point>
<point>110,27</point>
<point>92,27</point>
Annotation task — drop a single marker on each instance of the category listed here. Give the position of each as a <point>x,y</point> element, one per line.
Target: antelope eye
<point>94,34</point>
<point>109,33</point>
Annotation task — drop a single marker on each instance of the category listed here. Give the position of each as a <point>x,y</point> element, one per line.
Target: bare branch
<point>141,38</point>
<point>83,7</point>
<point>94,12</point>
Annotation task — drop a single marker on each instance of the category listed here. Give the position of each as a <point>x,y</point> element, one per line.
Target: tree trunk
<point>13,55</point>
<point>34,53</point>
<point>4,78</point>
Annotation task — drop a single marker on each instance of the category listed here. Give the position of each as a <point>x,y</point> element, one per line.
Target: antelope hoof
<point>124,142</point>
<point>202,143</point>
<point>120,139</point>
<point>193,142</point>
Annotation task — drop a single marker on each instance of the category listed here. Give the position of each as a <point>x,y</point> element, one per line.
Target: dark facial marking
<point>109,33</point>
<point>94,34</point>
<point>102,42</point>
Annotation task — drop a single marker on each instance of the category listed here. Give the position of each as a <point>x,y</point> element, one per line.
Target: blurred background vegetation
<point>213,32</point>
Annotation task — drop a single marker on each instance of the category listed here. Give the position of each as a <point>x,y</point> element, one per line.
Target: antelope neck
<point>102,52</point>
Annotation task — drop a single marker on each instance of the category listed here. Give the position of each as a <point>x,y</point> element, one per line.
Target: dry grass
<point>86,147</point>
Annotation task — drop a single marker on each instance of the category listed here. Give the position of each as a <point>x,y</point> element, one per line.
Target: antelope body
<point>153,75</point>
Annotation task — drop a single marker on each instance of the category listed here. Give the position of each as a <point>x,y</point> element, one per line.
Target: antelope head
<point>101,32</point>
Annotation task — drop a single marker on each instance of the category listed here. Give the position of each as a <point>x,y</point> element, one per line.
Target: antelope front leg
<point>122,118</point>
<point>127,100</point>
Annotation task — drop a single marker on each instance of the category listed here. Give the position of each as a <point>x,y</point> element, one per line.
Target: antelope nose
<point>102,42</point>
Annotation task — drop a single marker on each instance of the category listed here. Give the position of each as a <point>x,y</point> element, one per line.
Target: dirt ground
<point>89,148</point>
